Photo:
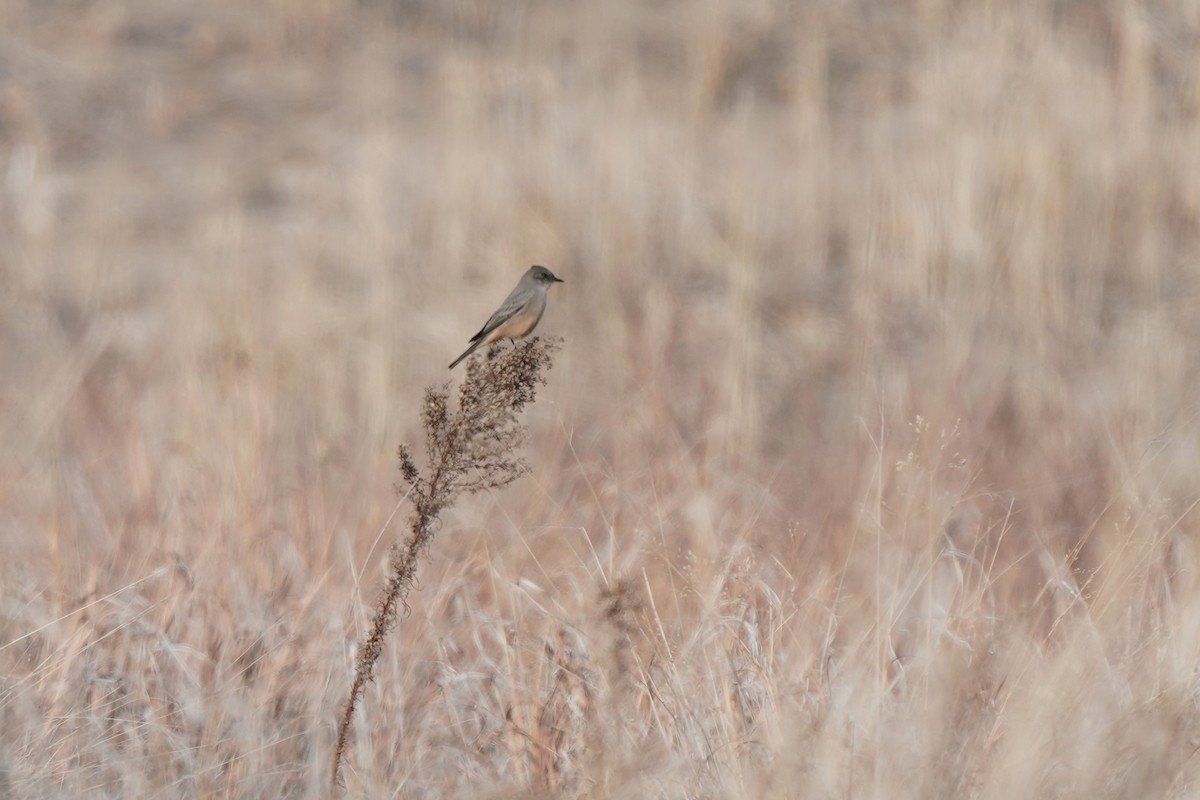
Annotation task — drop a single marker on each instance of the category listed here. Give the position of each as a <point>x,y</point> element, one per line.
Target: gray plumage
<point>520,312</point>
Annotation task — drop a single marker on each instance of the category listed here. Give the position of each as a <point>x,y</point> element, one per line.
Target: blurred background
<point>851,289</point>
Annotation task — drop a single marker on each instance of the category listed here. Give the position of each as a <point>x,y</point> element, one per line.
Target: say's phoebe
<point>520,312</point>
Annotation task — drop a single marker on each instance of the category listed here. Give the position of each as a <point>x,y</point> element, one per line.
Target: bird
<point>520,312</point>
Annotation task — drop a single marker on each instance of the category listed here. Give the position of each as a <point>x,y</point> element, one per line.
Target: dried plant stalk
<point>473,448</point>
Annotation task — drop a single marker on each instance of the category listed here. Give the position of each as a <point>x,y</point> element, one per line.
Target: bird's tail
<point>470,350</point>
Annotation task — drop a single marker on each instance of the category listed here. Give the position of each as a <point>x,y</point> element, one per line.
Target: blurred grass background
<point>868,467</point>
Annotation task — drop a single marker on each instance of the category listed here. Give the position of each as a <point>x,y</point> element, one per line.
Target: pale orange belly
<point>518,326</point>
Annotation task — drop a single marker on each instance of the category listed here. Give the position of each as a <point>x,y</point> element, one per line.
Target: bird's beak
<point>557,279</point>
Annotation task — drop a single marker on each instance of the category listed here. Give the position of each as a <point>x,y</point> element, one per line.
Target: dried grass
<point>868,467</point>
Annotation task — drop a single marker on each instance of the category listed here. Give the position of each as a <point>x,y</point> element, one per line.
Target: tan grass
<point>869,466</point>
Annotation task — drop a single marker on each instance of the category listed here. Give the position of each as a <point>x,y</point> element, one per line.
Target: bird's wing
<point>511,305</point>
